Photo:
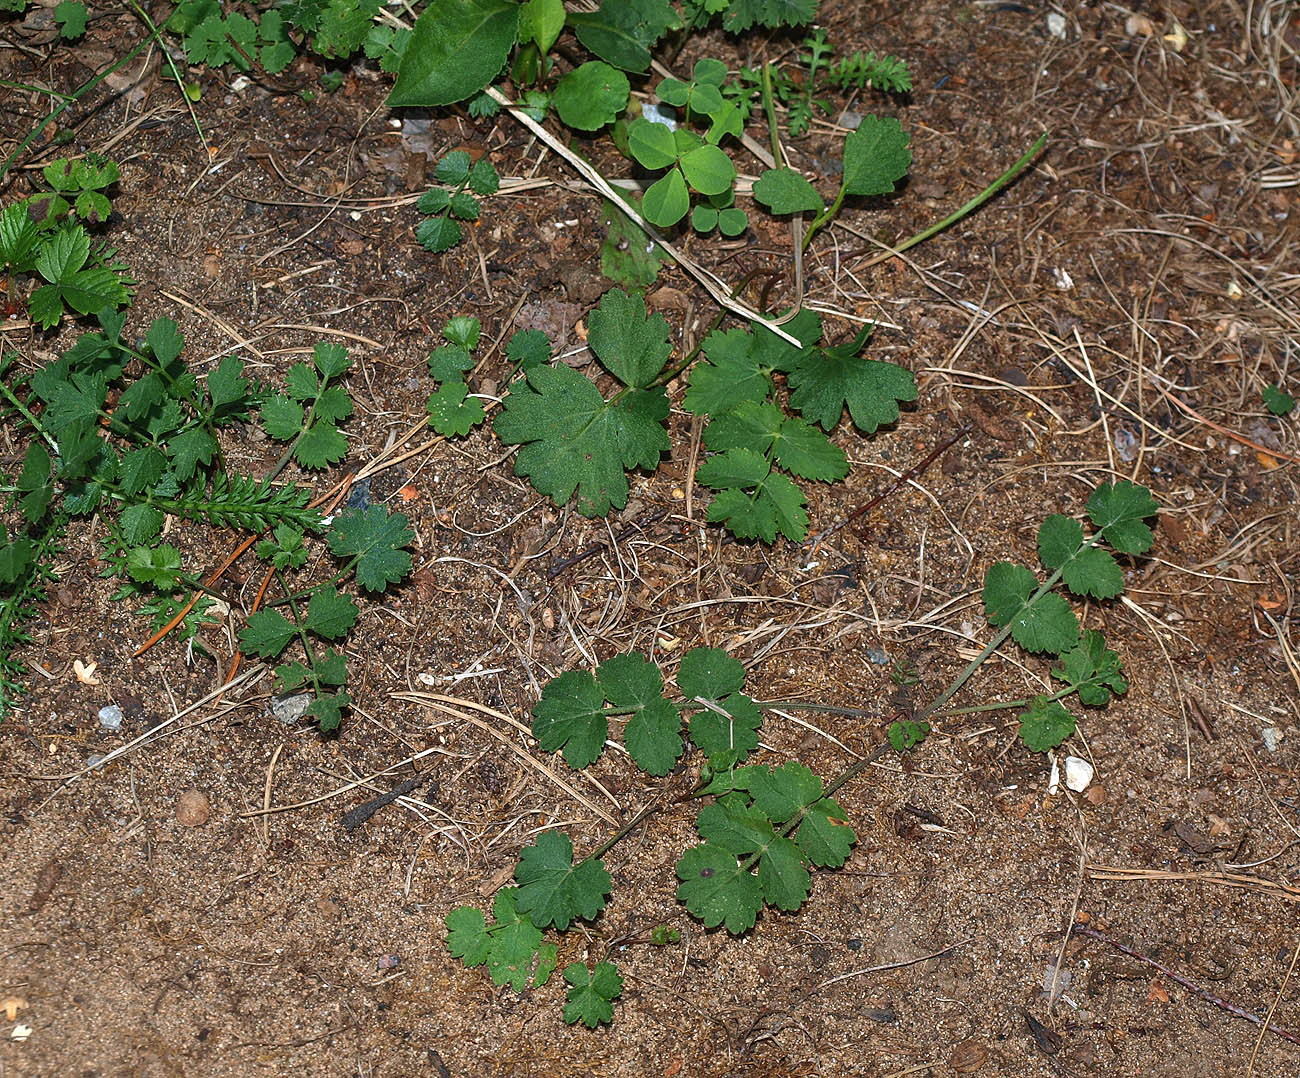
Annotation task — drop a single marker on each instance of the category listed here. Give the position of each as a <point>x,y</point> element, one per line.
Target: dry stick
<point>1192,986</point>
<point>1268,1018</point>
<point>1278,453</point>
<point>711,284</point>
<point>905,477</point>
<point>591,551</point>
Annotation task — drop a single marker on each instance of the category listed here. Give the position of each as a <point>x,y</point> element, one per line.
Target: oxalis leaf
<point>555,891</point>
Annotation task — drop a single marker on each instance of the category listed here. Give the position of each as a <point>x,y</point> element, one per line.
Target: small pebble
<point>388,961</point>
<point>851,120</point>
<point>289,709</point>
<point>876,656</point>
<point>193,808</point>
<point>110,717</point>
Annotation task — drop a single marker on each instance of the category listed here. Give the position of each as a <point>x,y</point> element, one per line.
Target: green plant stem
<point>68,102</point>
<point>822,218</point>
<point>1001,705</point>
<point>805,705</point>
<point>769,108</point>
<point>975,203</point>
<point>302,636</point>
<point>35,89</point>
<point>290,596</point>
<point>26,413</point>
<point>649,810</point>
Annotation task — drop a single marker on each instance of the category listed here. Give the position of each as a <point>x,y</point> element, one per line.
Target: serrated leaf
<point>328,711</point>
<point>34,483</point>
<point>529,348</point>
<point>464,206</point>
<point>824,382</point>
<point>515,944</point>
<point>632,345</point>
<point>281,417</point>
<point>164,340</point>
<point>226,384</point>
<point>876,156</point>
<point>1092,670</point>
<point>732,824</point>
<point>576,442</point>
<point>188,450</point>
<point>710,673</point>
<point>553,890</point>
<point>1059,539</point>
<point>781,792</point>
<point>320,446</point>
<point>1119,511</point>
<point>467,936</point>
<point>154,565</point>
<point>140,523</point>
<point>453,412</point>
<point>591,994</point>
<point>806,452</point>
<point>825,835</point>
<point>376,538</point>
<point>331,359</point>
<point>784,880</point>
<point>141,469</point>
<point>653,734</point>
<point>434,200</point>
<point>1045,724</point>
<point>456,48</point>
<point>782,190</point>
<point>1093,572</point>
<point>330,613</point>
<point>1048,625</point>
<point>438,234</point>
<point>449,362</point>
<point>268,633</point>
<point>716,890</point>
<point>731,375</point>
<point>742,14</point>
<point>302,382</point>
<point>740,468</point>
<point>731,730</point>
<point>571,716</point>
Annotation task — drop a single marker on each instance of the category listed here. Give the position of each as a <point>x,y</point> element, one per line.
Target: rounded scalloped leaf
<point>710,673</point>
<point>591,96</point>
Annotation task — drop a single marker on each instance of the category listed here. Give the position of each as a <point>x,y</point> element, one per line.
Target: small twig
<point>591,551</point>
<point>905,477</point>
<point>354,818</point>
<point>1195,989</point>
<point>896,965</point>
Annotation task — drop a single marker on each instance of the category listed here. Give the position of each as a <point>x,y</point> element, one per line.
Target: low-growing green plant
<point>1042,622</point>
<point>1277,400</point>
<point>449,205</point>
<point>761,834</point>
<point>130,432</point>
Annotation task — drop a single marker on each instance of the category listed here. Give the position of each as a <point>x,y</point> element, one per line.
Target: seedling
<point>449,205</point>
<point>451,409</point>
<point>1277,400</point>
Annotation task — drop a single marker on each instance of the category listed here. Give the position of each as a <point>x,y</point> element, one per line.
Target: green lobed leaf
<point>529,348</point>
<point>1047,625</point>
<point>740,468</point>
<point>824,382</point>
<point>783,190</point>
<point>330,613</point>
<point>632,345</point>
<point>1045,724</point>
<point>320,446</point>
<point>653,734</point>
<point>453,412</point>
<point>553,890</point>
<point>622,32</point>
<point>1092,670</point>
<point>456,49</point>
<point>825,835</point>
<point>571,716</point>
<point>467,936</point>
<point>716,890</point>
<point>1119,510</point>
<point>743,14</point>
<point>1277,400</point>
<point>267,634</point>
<point>591,993</point>
<point>376,538</point>
<point>438,234</point>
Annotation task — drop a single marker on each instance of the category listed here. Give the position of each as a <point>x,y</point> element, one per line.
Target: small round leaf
<point>591,96</point>
<point>709,170</point>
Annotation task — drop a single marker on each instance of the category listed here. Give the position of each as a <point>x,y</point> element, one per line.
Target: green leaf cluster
<point>511,946</point>
<point>576,442</point>
<point>757,448</point>
<point>454,202</point>
<point>760,837</point>
<point>308,414</point>
<point>452,411</point>
<point>77,187</point>
<point>1277,400</point>
<point>1042,621</point>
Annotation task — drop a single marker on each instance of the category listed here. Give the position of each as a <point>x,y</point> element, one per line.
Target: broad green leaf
<point>1092,669</point>
<point>824,382</point>
<point>281,417</point>
<point>464,206</point>
<point>876,156</point>
<point>328,711</point>
<point>740,468</point>
<point>141,469</point>
<point>1119,511</point>
<point>734,825</point>
<point>541,22</point>
<point>1045,725</point>
<point>320,446</point>
<point>730,375</point>
<point>591,994</point>
<point>781,792</point>
<point>1059,540</point>
<point>710,673</point>
<point>782,190</point>
<point>267,634</point>
<point>651,144</point>
<point>1048,625</point>
<point>716,890</point>
<point>449,362</point>
<point>438,234</point>
<point>708,169</point>
<point>630,345</point>
<point>730,730</point>
<point>529,348</point>
<point>553,890</point>
<point>667,200</point>
<point>1095,573</point>
<point>140,523</point>
<point>375,538</point>
<point>64,254</point>
<point>227,386</point>
<point>732,222</point>
<point>622,32</point>
<point>330,613</point>
<point>825,835</point>
<point>467,936</point>
<point>784,881</point>
<point>591,96</point>
<point>1277,400</point>
<point>453,412</point>
<point>571,716</point>
<point>576,442</point>
<point>456,48</point>
<point>34,482</point>
<point>653,733</point>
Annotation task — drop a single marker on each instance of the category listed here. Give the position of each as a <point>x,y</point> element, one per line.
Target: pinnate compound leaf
<point>591,95</point>
<point>571,716</point>
<point>1045,725</point>
<point>1092,669</point>
<point>1119,510</point>
<point>555,891</point>
<point>742,14</point>
<point>575,441</point>
<point>716,890</point>
<point>376,538</point>
<point>631,345</point>
<point>876,156</point>
<point>591,993</point>
<point>782,190</point>
<point>456,48</point>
